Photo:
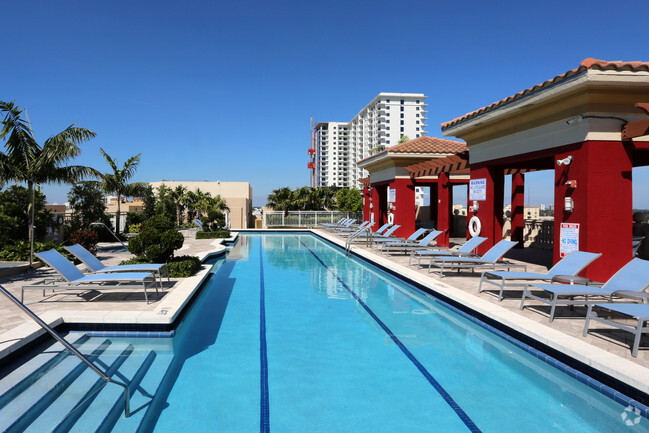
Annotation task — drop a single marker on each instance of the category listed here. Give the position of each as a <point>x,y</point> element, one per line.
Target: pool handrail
<point>71,348</point>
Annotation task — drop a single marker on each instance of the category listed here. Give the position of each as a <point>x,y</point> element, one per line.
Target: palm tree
<point>117,182</point>
<point>27,161</point>
<point>178,194</point>
<point>281,199</point>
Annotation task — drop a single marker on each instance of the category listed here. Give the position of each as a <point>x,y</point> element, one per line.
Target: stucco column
<point>490,210</point>
<point>444,206</point>
<point>367,198</point>
<point>518,209</point>
<point>598,181</point>
<point>404,206</point>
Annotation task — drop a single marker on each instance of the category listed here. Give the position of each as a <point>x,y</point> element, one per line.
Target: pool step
<point>61,394</point>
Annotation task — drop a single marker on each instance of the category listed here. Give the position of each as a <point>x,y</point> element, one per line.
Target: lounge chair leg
<point>554,306</point>
<point>636,340</point>
<point>480,285</point>
<point>502,288</point>
<point>588,313</point>
<point>524,296</point>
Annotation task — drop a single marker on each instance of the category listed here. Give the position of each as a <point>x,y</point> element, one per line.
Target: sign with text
<point>568,238</point>
<point>478,189</point>
<point>392,195</point>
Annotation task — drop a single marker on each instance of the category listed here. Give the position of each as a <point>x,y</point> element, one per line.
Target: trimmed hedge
<point>179,267</point>
<point>217,234</point>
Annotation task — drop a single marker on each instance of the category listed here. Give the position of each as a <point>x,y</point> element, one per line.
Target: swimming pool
<point>290,335</point>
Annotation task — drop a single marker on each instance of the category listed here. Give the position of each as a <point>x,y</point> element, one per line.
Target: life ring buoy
<point>474,226</point>
<point>391,218</point>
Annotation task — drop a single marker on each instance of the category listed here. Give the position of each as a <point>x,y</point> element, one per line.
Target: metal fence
<point>539,234</point>
<point>306,218</point>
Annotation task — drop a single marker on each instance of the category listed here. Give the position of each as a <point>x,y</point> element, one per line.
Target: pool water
<point>290,335</point>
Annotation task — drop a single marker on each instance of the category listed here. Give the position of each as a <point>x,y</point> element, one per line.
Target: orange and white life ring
<point>474,226</point>
<point>391,218</point>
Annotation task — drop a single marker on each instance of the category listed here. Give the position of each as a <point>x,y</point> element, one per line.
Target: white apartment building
<point>337,146</point>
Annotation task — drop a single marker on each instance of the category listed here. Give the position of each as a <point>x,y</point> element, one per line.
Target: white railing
<point>306,219</point>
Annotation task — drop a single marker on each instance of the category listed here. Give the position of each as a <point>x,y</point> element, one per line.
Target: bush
<point>86,238</point>
<point>19,251</point>
<point>179,267</point>
<point>158,241</point>
<point>183,266</point>
<point>217,234</point>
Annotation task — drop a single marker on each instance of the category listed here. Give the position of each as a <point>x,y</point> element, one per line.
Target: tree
<point>349,200</point>
<point>27,161</point>
<point>117,181</point>
<point>281,199</point>
<point>404,138</point>
<point>88,204</point>
<point>14,215</point>
<point>177,195</point>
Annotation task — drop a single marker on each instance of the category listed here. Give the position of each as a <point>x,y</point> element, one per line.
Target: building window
<point>417,108</point>
<point>387,128</point>
<point>401,108</point>
<point>417,129</point>
<point>402,115</point>
<point>387,100</point>
<point>417,115</point>
<point>402,129</point>
<point>402,102</point>
<point>402,122</point>
<point>417,136</point>
<point>417,122</point>
<point>387,121</point>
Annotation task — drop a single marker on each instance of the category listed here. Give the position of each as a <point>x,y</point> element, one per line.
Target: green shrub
<point>183,266</point>
<point>179,267</point>
<point>86,238</point>
<point>19,251</point>
<point>158,241</point>
<point>217,234</point>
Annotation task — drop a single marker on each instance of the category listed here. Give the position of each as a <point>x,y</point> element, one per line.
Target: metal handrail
<point>357,234</point>
<point>99,223</point>
<point>71,348</point>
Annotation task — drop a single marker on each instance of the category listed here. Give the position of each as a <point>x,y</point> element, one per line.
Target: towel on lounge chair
<point>630,281</point>
<point>76,280</point>
<point>572,264</point>
<point>490,259</point>
<point>160,269</point>
<point>464,251</point>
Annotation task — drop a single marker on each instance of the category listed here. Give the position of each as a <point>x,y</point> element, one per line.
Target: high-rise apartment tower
<point>336,146</point>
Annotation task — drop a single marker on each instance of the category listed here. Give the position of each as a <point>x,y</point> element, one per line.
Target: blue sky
<point>224,90</point>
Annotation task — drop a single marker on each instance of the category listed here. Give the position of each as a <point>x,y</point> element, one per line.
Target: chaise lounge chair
<point>406,246</point>
<point>466,250</point>
<point>76,280</point>
<point>640,312</point>
<point>160,269</point>
<point>490,259</point>
<point>572,264</point>
<point>344,231</point>
<point>389,238</point>
<point>631,280</point>
<point>376,236</point>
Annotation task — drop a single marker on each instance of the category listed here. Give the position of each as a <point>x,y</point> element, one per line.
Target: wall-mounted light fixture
<point>565,161</point>
<point>568,204</point>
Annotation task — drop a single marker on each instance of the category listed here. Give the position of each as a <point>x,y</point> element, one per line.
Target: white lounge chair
<point>76,280</point>
<point>631,280</point>
<point>407,246</point>
<point>490,260</point>
<point>572,264</point>
<point>96,266</point>
<point>466,250</point>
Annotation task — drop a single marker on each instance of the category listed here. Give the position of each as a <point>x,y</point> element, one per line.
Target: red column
<point>490,210</point>
<point>375,208</point>
<point>518,208</point>
<point>603,204</point>
<point>404,206</point>
<point>444,208</point>
<point>367,199</point>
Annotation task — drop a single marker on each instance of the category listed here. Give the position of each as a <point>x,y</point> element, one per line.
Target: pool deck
<point>607,351</point>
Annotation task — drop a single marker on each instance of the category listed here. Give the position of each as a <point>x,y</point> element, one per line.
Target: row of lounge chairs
<point>101,277</point>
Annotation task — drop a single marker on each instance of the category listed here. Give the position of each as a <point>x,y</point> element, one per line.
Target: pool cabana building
<point>585,124</point>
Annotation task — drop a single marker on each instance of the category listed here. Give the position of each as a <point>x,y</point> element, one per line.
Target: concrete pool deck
<point>606,351</point>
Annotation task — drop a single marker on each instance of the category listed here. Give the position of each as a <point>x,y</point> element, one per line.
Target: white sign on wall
<point>392,195</point>
<point>478,189</point>
<point>568,238</point>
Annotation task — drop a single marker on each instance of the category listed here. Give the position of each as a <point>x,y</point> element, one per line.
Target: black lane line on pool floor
<point>438,387</point>
<point>264,412</point>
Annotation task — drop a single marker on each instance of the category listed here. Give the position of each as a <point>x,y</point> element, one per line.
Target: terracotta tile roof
<point>585,65</point>
<point>428,145</point>
<point>423,145</point>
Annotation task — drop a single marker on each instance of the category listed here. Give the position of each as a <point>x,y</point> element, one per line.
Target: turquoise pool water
<point>289,335</point>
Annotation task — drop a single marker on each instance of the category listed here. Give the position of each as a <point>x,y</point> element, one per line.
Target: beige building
<point>237,195</point>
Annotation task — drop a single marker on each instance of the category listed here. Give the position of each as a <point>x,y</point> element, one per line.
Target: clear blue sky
<point>223,90</point>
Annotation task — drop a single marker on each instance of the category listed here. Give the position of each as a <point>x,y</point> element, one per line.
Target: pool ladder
<point>356,235</point>
<point>71,348</point>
